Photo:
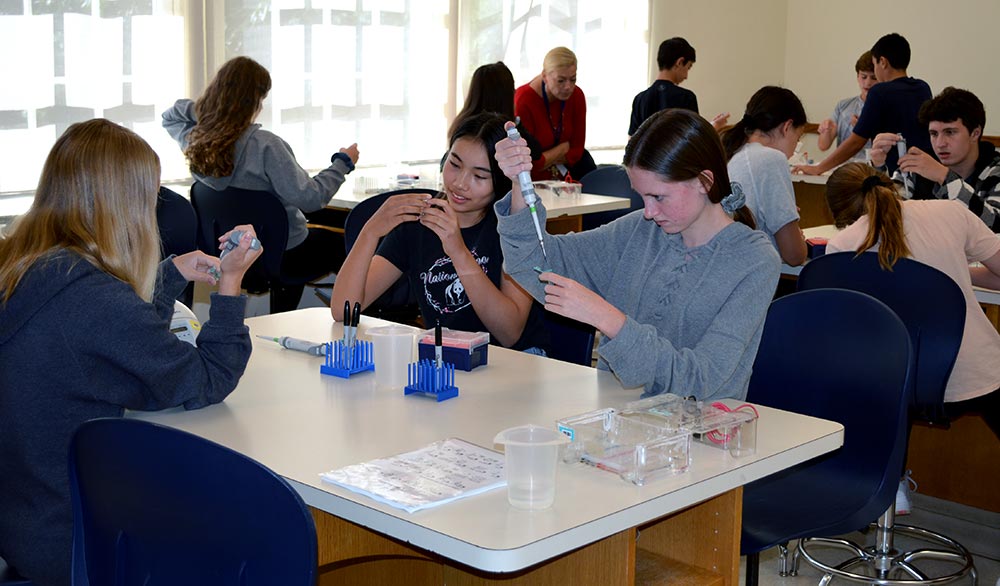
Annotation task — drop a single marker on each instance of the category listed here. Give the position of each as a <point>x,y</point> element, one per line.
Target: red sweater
<point>531,108</point>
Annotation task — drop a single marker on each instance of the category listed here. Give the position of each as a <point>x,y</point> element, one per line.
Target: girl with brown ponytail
<point>945,235</point>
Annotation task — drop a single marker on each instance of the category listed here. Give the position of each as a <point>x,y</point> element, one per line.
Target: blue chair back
<point>610,180</point>
<point>569,340</point>
<point>178,226</point>
<point>843,356</point>
<point>220,211</point>
<point>398,303</point>
<point>155,505</point>
<point>929,302</point>
<point>177,222</point>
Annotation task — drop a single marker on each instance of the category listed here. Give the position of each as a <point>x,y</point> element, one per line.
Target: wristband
<point>343,157</point>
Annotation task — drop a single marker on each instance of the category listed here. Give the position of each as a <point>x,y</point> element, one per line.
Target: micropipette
<point>231,243</point>
<point>528,193</point>
<point>298,345</point>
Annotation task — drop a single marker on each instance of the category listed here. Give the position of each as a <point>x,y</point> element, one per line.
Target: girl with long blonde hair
<point>85,308</point>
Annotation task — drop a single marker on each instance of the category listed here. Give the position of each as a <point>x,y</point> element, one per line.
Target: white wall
<point>735,58</point>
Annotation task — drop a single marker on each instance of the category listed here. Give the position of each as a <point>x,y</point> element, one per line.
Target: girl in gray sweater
<point>679,290</point>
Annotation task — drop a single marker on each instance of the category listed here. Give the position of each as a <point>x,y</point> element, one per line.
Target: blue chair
<point>178,226</point>
<point>398,303</point>
<point>610,180</point>
<point>570,340</point>
<point>843,356</point>
<point>155,505</point>
<point>929,302</point>
<point>219,211</point>
<point>932,306</point>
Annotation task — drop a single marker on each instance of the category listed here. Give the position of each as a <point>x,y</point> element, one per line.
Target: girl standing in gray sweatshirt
<point>679,291</point>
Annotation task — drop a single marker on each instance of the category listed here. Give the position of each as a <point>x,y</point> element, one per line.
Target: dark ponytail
<point>768,108</point>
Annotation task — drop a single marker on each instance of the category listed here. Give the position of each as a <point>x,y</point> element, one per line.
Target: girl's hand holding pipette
<point>440,217</point>
<point>237,260</point>
<point>514,157</point>
<point>196,266</point>
<point>569,298</point>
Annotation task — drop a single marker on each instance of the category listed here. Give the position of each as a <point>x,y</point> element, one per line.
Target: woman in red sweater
<point>554,110</point>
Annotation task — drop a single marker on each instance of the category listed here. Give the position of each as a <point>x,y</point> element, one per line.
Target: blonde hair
<point>856,189</point>
<point>96,197</point>
<point>558,58</point>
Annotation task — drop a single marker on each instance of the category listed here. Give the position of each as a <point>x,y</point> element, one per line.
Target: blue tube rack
<point>341,361</point>
<point>425,378</point>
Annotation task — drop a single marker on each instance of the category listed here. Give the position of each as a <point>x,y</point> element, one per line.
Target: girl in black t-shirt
<point>448,248</point>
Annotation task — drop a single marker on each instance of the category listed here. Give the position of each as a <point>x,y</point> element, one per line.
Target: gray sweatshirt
<point>264,162</point>
<point>694,316</point>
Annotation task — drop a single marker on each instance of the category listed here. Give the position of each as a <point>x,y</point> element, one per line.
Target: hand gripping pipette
<point>233,242</point>
<point>528,193</point>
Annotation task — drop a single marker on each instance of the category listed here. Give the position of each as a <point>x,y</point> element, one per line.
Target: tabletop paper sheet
<point>442,472</point>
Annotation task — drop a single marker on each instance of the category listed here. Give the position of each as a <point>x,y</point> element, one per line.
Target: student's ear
<point>977,133</point>
<point>678,64</point>
<point>707,179</point>
<point>786,127</point>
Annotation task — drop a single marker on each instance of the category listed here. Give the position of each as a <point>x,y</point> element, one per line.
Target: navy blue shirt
<point>417,251</point>
<point>892,106</point>
<point>661,95</point>
<point>77,344</point>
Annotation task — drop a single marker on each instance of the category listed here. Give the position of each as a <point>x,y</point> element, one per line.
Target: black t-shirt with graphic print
<point>417,251</point>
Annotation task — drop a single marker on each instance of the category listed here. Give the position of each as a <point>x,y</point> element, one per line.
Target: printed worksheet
<point>434,475</point>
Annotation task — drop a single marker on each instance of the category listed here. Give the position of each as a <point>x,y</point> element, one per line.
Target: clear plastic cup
<point>392,347</point>
<point>531,454</point>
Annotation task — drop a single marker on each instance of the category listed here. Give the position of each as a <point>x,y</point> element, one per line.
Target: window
<point>388,74</point>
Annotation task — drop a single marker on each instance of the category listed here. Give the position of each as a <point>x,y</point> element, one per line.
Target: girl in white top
<point>945,235</point>
<point>758,147</point>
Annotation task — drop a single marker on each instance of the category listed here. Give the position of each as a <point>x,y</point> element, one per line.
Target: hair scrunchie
<point>734,200</point>
<point>871,182</point>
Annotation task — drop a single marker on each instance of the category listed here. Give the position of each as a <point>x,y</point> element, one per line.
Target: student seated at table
<point>554,110</point>
<point>891,106</point>
<point>946,236</point>
<point>492,90</point>
<point>845,114</point>
<point>225,148</point>
<point>675,58</point>
<point>758,147</point>
<point>679,290</point>
<point>85,309</point>
<point>967,169</point>
<point>448,249</point>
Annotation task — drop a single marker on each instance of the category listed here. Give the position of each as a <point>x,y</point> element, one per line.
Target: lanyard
<point>556,130</point>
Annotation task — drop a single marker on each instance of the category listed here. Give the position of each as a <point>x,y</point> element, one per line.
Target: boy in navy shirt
<point>892,106</point>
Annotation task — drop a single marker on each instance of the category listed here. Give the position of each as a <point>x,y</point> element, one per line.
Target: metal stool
<point>883,560</point>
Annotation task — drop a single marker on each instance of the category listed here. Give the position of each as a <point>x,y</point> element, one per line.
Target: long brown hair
<point>97,198</point>
<point>856,189</point>
<point>490,90</point>
<point>679,145</point>
<point>225,111</point>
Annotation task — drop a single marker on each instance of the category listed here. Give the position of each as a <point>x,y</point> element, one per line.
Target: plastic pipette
<point>233,242</point>
<point>528,193</point>
<point>298,345</point>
